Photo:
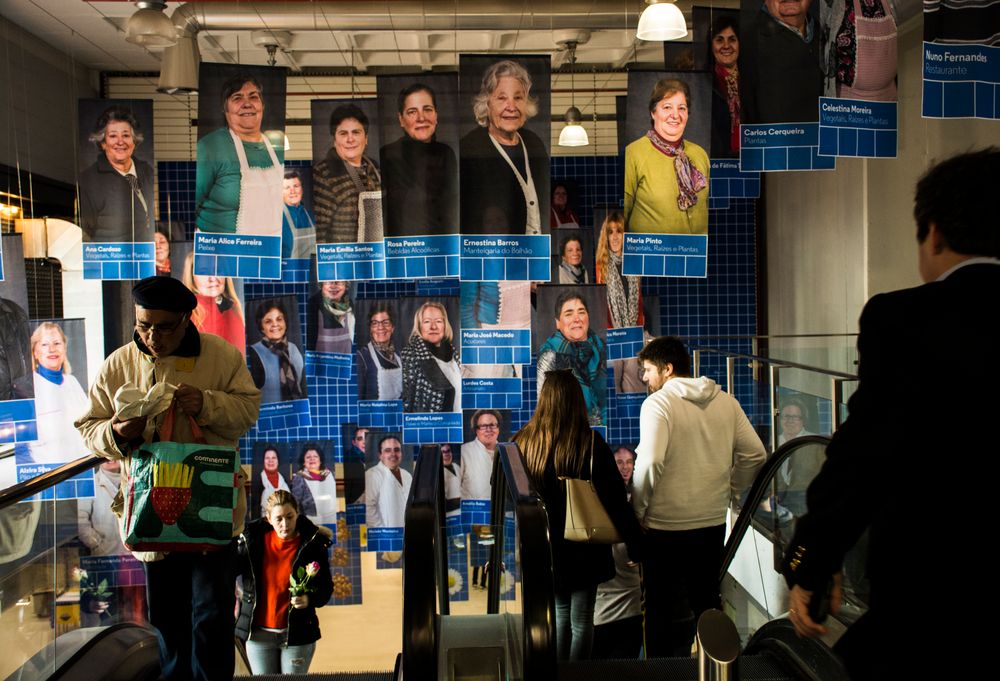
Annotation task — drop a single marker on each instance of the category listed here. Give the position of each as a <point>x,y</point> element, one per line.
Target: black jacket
<point>578,565</point>
<point>492,199</point>
<point>303,626</point>
<point>915,463</point>
<point>108,205</point>
<point>16,379</point>
<point>420,185</point>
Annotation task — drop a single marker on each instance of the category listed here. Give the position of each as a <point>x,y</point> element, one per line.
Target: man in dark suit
<point>916,461</point>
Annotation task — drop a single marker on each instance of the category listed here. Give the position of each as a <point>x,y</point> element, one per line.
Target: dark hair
<point>409,90</point>
<point>345,111</point>
<point>266,307</point>
<point>358,430</point>
<point>669,86</point>
<point>566,241</point>
<point>292,174</point>
<point>311,447</point>
<point>236,83</point>
<point>667,350</point>
<point>270,447</point>
<point>565,297</point>
<point>387,437</point>
<point>626,448</point>
<point>479,413</point>
<point>109,115</point>
<point>959,197</point>
<point>720,23</point>
<point>557,184</point>
<point>379,308</point>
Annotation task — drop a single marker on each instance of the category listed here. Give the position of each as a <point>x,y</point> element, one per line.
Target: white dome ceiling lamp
<point>149,26</point>
<point>661,20</point>
<point>573,133</point>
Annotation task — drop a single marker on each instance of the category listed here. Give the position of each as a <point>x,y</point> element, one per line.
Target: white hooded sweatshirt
<point>696,448</point>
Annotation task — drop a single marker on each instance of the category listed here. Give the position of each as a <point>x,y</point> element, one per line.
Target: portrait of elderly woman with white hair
<point>116,191</point>
<point>504,166</point>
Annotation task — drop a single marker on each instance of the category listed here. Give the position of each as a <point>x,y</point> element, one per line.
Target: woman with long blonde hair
<point>558,443</point>
<point>219,310</point>
<point>624,296</point>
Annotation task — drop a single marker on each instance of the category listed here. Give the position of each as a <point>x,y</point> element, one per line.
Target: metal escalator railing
<point>45,481</point>
<point>762,488</point>
<point>532,546</point>
<point>425,566</point>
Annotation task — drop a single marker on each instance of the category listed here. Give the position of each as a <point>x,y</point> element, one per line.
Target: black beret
<point>163,293</point>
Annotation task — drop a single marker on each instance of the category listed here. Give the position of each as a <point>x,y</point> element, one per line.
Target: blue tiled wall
<point>723,304</point>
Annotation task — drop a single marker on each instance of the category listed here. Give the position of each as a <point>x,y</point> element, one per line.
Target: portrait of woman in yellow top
<point>666,176</point>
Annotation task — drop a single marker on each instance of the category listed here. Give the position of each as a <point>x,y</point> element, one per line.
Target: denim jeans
<point>575,623</point>
<point>267,655</point>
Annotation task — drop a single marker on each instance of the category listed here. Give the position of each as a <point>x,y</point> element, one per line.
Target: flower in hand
<point>300,580</point>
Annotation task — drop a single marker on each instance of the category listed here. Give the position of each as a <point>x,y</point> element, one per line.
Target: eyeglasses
<point>487,426</point>
<point>162,329</point>
<point>384,323</point>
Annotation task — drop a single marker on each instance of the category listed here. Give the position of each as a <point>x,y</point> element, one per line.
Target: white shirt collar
<point>971,261</point>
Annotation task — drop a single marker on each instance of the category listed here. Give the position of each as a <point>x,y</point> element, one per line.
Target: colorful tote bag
<point>180,497</point>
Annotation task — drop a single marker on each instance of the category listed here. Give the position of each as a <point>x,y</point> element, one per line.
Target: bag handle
<point>167,427</point>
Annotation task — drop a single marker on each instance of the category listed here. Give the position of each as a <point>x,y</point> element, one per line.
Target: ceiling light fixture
<point>149,26</point>
<point>661,21</point>
<point>573,134</point>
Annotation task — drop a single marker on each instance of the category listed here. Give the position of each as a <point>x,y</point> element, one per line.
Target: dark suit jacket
<point>916,462</point>
<point>492,200</point>
<point>108,205</point>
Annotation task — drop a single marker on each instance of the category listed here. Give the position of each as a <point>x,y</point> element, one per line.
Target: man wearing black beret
<point>190,595</point>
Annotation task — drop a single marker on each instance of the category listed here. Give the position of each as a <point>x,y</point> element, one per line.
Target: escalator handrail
<point>47,480</point>
<point>423,544</point>
<point>510,478</point>
<point>761,488</point>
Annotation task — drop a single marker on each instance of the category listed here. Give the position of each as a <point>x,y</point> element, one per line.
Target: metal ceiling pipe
<point>432,15</point>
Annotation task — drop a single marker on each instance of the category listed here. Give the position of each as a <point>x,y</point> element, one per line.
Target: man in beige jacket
<point>190,595</point>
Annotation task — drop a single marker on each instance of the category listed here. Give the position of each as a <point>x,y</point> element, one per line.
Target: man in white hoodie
<point>697,449</point>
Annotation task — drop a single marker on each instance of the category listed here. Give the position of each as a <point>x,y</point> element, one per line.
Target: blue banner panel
<point>333,365</point>
<point>624,343</point>
<point>500,257</point>
<point>782,146</point>
<point>432,429</point>
<point>295,271</point>
<point>118,261</point>
<point>623,417</point>
<point>237,255</point>
<point>381,414</point>
<point>855,127</point>
<point>727,181</point>
<point>491,393</point>
<point>79,487</point>
<point>961,81</point>
<point>421,257</point>
<point>496,346</point>
<point>282,415</point>
<point>666,255</point>
<point>475,512</point>
<point>385,539</point>
<point>350,262</point>
<point>17,421</point>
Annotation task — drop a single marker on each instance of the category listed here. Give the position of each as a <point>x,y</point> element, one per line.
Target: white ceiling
<point>365,35</point>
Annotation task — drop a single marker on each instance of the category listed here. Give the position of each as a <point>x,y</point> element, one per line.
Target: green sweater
<point>651,191</point>
<point>217,180</point>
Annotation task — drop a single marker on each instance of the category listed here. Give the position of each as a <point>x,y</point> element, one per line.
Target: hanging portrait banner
<point>116,178</point>
<point>239,184</point>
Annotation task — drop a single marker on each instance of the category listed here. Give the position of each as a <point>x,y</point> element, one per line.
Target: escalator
<point>515,638</point>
